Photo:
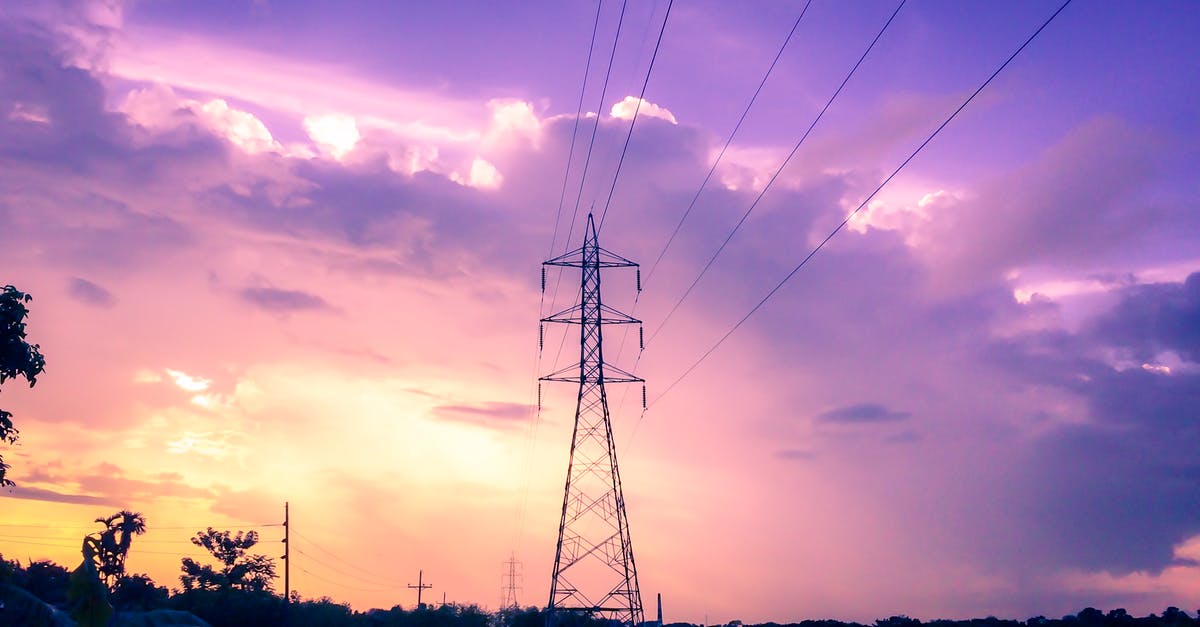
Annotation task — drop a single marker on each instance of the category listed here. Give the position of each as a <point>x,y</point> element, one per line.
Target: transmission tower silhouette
<point>510,584</point>
<point>594,570</point>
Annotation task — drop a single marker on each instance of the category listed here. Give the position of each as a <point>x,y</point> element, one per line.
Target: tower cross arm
<point>612,374</point>
<point>604,259</point>
<point>574,315</point>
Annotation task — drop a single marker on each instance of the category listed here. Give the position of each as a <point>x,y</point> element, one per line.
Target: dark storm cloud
<point>50,112</point>
<point>1083,200</point>
<point>495,415</point>
<point>64,155</point>
<point>103,484</point>
<point>89,293</point>
<point>862,413</point>
<point>277,300</point>
<point>41,494</point>
<point>1114,493</point>
<point>1154,318</point>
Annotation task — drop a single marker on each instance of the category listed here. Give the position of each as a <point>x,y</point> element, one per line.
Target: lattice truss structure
<point>594,569</point>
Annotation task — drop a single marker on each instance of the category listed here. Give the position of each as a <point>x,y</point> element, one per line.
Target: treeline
<point>236,589</point>
<point>1088,617</point>
<point>138,600</point>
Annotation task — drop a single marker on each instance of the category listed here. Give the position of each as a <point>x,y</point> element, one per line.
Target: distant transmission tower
<point>594,571</point>
<point>510,584</point>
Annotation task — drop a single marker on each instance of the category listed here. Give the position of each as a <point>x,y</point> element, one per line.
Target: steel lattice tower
<point>594,571</point>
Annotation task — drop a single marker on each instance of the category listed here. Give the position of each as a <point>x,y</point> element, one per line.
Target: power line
<point>344,573</point>
<point>59,537</point>
<point>775,176</point>
<point>599,115</point>
<point>342,585</point>
<point>696,196</point>
<point>339,558</point>
<point>587,161</point>
<point>845,221</point>
<point>575,128</point>
<point>76,546</point>
<point>155,528</point>
<point>636,109</point>
<point>728,141</point>
<point>537,361</point>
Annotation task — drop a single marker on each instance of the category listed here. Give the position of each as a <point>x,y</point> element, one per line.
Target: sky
<point>289,252</point>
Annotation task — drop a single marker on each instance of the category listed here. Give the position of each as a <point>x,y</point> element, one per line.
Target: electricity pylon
<point>510,584</point>
<point>594,571</point>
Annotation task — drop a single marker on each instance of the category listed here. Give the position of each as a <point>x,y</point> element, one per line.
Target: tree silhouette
<point>112,544</point>
<point>251,573</point>
<point>87,598</point>
<point>17,358</point>
<point>139,592</point>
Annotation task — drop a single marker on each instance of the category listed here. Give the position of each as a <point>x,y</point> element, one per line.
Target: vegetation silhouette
<point>239,571</point>
<point>18,358</point>
<point>239,593</point>
<point>112,544</point>
<point>87,596</point>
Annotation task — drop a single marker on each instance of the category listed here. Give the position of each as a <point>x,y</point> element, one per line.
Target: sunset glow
<point>290,252</point>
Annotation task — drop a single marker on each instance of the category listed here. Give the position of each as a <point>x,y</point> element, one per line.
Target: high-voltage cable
<point>537,359</point>
<point>866,200</point>
<point>599,115</point>
<point>587,161</point>
<point>775,176</point>
<point>636,109</point>
<point>370,574</point>
<point>699,190</point>
<point>728,140</point>
<point>587,66</point>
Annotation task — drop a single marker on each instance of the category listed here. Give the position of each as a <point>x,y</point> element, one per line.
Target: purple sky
<point>289,251</point>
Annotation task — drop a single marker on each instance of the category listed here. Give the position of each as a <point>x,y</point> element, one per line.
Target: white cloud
<point>624,110</point>
<point>483,174</point>
<point>336,134</point>
<point>895,211</point>
<point>188,382</point>
<point>1059,289</point>
<point>241,128</point>
<point>200,443</point>
<point>512,119</point>
<point>154,106</point>
<point>158,107</point>
<point>413,159</point>
<point>284,85</point>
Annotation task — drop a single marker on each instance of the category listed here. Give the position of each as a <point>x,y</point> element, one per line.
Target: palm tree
<point>114,543</point>
<point>132,524</point>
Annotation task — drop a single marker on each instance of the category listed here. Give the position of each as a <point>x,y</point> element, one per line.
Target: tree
<point>251,573</point>
<point>17,358</point>
<point>112,544</point>
<point>46,581</point>
<point>87,598</point>
<point>138,592</point>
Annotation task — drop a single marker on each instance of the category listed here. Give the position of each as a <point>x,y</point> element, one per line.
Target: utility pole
<point>420,587</point>
<point>594,571</point>
<point>287,551</point>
